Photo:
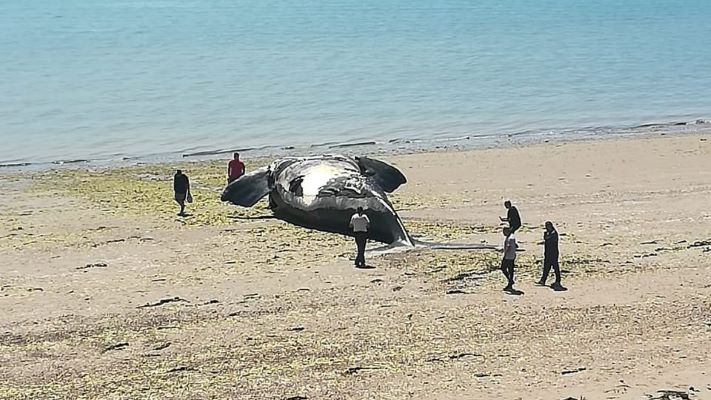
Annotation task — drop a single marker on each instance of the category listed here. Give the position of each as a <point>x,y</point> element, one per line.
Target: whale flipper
<point>385,175</point>
<point>248,189</point>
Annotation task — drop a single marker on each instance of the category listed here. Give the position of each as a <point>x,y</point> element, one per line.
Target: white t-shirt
<point>510,253</point>
<point>360,223</point>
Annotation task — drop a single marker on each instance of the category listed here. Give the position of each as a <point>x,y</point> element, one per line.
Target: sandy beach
<point>106,294</point>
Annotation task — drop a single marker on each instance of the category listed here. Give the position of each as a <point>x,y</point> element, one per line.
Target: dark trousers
<point>361,239</point>
<point>547,264</point>
<point>507,267</point>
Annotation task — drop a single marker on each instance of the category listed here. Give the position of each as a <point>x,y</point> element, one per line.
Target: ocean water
<point>109,79</point>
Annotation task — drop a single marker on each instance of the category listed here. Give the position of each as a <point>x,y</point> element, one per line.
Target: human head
<point>507,231</point>
<point>178,172</point>
<point>236,155</point>
<point>549,226</point>
<point>360,210</point>
<point>507,204</point>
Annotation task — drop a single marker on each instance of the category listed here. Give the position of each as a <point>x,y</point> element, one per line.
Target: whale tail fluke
<point>385,175</point>
<point>248,189</point>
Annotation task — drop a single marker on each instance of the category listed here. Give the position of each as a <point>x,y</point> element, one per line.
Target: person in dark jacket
<point>512,216</point>
<point>550,256</point>
<point>181,186</point>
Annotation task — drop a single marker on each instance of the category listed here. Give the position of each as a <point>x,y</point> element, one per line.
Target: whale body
<point>323,193</point>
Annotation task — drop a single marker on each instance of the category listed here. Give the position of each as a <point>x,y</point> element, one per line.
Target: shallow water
<point>96,79</point>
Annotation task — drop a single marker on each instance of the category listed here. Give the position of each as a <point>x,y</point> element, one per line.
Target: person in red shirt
<point>235,169</point>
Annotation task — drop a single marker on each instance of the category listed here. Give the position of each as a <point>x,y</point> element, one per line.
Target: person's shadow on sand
<point>365,267</point>
<point>557,288</point>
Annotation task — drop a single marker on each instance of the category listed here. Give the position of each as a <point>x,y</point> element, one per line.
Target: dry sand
<point>106,294</point>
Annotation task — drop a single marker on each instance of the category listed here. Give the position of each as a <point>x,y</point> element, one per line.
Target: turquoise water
<point>103,79</point>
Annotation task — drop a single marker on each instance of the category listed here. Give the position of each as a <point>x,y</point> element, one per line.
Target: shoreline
<point>387,148</point>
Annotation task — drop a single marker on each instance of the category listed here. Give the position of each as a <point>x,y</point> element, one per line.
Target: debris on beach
<point>181,368</point>
<point>573,371</point>
<point>164,301</point>
<point>297,328</point>
<point>94,265</point>
<point>456,291</point>
<point>161,346</point>
<point>356,369</point>
<point>453,356</point>
<point>646,255</point>
<point>700,243</point>
<point>117,346</point>
<point>459,356</point>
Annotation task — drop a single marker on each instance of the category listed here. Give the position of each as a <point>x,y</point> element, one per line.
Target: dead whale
<point>323,193</point>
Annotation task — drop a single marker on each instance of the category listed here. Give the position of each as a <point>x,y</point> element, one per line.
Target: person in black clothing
<point>513,217</point>
<point>181,186</point>
<point>550,256</point>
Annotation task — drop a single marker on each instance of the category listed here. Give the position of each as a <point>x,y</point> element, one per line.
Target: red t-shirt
<point>235,168</point>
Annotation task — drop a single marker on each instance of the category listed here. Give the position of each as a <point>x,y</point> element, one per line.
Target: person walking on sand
<point>507,262</point>
<point>181,186</point>
<point>550,256</point>
<point>360,224</point>
<point>235,169</point>
<point>512,216</point>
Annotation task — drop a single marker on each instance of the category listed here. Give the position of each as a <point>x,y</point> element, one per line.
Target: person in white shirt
<point>360,224</point>
<point>507,263</point>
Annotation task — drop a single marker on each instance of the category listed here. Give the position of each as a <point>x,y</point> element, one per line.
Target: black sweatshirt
<point>181,184</point>
<point>551,245</point>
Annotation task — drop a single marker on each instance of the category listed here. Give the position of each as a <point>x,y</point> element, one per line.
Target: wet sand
<point>107,294</point>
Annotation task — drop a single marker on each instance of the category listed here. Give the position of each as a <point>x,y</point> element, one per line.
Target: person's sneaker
<point>541,283</point>
<point>508,288</point>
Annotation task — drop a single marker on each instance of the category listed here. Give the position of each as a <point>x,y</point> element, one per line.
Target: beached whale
<point>323,193</point>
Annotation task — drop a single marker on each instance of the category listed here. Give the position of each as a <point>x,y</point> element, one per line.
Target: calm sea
<point>107,79</point>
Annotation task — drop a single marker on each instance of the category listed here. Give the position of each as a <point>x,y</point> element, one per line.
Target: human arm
<point>511,215</point>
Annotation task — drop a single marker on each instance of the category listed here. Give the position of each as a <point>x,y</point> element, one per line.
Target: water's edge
<point>385,147</point>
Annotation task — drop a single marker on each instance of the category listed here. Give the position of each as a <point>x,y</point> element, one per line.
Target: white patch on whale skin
<point>316,174</point>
